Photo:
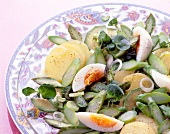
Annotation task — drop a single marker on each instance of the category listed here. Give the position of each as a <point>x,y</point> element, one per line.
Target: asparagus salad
<point>114,80</point>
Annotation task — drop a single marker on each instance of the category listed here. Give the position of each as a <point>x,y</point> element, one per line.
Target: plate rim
<point>6,83</point>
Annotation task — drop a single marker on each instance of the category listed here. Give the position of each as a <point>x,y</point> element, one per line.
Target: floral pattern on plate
<point>28,60</point>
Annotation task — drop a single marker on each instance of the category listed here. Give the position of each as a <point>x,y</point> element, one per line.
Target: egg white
<point>160,79</point>
<point>78,82</point>
<point>84,117</point>
<point>146,44</point>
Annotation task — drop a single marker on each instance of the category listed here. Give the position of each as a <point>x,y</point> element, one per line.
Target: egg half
<point>87,75</point>
<point>99,122</point>
<point>160,79</point>
<point>144,46</point>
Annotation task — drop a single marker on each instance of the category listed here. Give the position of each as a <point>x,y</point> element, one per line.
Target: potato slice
<point>79,52</point>
<point>160,51</point>
<point>121,74</point>
<point>59,60</point>
<point>135,80</point>
<point>137,128</point>
<point>82,46</point>
<point>165,59</point>
<point>149,121</point>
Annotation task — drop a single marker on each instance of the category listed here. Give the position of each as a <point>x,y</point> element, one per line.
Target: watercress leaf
<point>110,47</point>
<point>47,91</point>
<point>113,22</point>
<point>114,66</point>
<point>28,90</point>
<point>163,44</point>
<point>155,40</point>
<point>104,39</point>
<point>38,94</point>
<point>121,42</point>
<point>163,37</point>
<point>115,91</point>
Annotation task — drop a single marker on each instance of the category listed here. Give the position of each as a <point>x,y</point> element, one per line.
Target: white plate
<point>27,61</point>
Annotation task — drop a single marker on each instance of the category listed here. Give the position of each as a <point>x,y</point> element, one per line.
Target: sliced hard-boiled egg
<point>87,75</point>
<point>160,79</point>
<point>144,46</point>
<point>100,122</point>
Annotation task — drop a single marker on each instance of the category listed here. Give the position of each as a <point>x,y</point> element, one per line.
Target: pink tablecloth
<point>20,17</point>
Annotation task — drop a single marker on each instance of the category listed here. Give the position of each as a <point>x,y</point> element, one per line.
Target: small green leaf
<point>155,40</point>
<point>121,42</point>
<point>163,37</point>
<point>113,22</point>
<point>163,44</point>
<point>104,39</point>
<point>115,92</point>
<point>110,47</point>
<point>27,91</point>
<point>47,91</point>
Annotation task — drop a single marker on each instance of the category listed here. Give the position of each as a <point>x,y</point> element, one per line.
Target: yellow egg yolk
<point>102,120</point>
<point>92,76</point>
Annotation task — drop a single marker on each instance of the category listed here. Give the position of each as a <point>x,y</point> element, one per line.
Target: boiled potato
<point>149,121</point>
<point>79,52</point>
<point>165,59</point>
<point>160,51</point>
<point>121,74</point>
<point>135,80</point>
<point>60,59</point>
<point>82,46</point>
<point>137,128</point>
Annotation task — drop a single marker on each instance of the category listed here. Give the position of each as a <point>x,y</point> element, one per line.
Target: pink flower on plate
<point>47,44</point>
<point>133,15</point>
<point>166,28</point>
<point>125,8</point>
<point>107,9</point>
<point>37,68</point>
<point>143,11</point>
<point>37,56</point>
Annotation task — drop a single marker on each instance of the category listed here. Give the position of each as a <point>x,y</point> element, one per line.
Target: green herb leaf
<point>155,40</point>
<point>115,92</point>
<point>104,39</point>
<point>110,47</point>
<point>163,44</point>
<point>113,22</point>
<point>47,91</point>
<point>28,90</point>
<point>163,37</point>
<point>121,42</point>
